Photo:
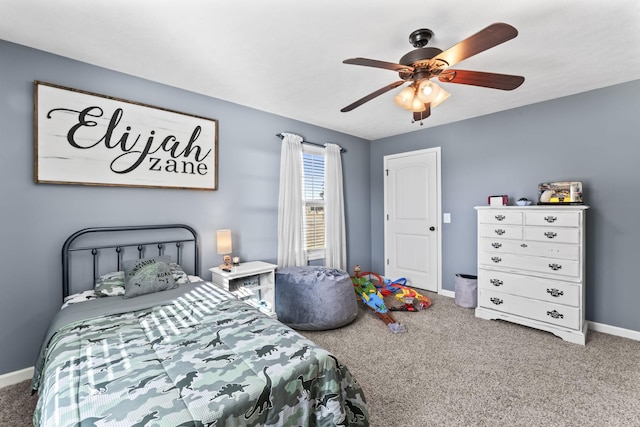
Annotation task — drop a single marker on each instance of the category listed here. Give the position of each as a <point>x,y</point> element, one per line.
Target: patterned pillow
<point>179,276</point>
<point>110,284</point>
<point>146,276</point>
<point>79,297</point>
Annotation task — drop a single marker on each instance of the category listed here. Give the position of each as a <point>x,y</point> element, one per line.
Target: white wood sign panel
<point>91,139</point>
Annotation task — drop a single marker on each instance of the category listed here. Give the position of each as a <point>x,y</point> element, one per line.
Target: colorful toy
<point>373,299</point>
<point>413,301</point>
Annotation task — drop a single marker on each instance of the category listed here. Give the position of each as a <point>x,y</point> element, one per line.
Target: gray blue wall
<point>591,137</point>
<point>37,218</point>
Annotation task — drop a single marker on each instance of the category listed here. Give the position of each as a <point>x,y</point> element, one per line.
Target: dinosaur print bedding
<point>195,356</point>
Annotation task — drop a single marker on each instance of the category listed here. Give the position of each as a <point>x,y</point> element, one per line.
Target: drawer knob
<point>497,301</point>
<point>524,245</point>
<point>555,267</point>
<point>496,259</point>
<point>550,234</point>
<point>499,231</point>
<point>496,245</point>
<point>555,314</point>
<point>550,218</point>
<point>496,282</point>
<point>555,292</point>
<point>500,217</point>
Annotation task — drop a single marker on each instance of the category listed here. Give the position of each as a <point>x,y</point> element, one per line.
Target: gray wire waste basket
<point>466,291</point>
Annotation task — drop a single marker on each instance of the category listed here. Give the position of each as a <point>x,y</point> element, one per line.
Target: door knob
<point>432,228</point>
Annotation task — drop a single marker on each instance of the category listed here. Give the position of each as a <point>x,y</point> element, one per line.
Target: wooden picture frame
<point>91,139</point>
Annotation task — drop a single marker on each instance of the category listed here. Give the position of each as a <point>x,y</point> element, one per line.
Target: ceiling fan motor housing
<point>419,60</point>
<point>416,56</point>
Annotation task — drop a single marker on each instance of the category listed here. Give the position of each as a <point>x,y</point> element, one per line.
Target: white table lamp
<point>223,239</point>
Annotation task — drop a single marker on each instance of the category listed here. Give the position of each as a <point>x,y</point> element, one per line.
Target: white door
<point>412,213</point>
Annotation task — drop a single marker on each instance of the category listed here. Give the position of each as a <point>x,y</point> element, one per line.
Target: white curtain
<point>335,232</point>
<point>290,207</point>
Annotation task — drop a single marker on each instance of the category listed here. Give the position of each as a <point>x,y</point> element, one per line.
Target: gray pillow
<point>110,284</point>
<point>146,276</point>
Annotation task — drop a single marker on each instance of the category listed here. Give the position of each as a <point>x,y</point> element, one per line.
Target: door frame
<point>438,198</point>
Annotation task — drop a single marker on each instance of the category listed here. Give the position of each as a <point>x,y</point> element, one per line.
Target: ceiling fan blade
<point>418,116</point>
<point>372,95</point>
<point>487,38</point>
<point>377,64</point>
<point>479,78</point>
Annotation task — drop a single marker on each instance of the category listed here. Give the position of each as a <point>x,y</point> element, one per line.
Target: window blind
<point>313,189</point>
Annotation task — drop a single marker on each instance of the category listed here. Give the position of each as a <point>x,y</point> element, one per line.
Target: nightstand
<point>252,282</point>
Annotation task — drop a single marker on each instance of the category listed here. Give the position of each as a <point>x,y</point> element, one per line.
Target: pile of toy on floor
<point>373,288</point>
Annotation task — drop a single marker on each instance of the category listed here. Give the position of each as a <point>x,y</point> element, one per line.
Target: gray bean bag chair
<point>315,298</point>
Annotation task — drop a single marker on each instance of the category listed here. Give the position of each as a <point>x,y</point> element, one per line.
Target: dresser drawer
<point>501,231</point>
<point>550,266</point>
<point>550,234</point>
<point>530,287</point>
<point>500,217</point>
<point>553,219</point>
<point>532,248</point>
<point>541,311</point>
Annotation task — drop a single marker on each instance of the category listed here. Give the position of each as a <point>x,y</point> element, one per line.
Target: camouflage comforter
<point>200,358</point>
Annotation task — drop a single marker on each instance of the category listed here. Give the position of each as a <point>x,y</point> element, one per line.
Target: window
<point>313,199</point>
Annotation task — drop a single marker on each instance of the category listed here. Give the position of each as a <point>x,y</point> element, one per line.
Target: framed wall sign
<point>91,139</point>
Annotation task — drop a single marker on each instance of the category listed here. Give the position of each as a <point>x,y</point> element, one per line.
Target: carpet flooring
<point>453,369</point>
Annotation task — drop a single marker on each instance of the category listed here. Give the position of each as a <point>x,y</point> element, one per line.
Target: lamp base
<point>227,263</point>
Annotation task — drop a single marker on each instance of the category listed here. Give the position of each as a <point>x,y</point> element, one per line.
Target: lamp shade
<point>442,96</point>
<point>405,98</point>
<point>417,106</point>
<point>223,239</point>
<point>428,91</point>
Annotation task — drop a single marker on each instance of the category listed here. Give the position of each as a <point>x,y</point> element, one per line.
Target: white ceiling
<point>285,56</point>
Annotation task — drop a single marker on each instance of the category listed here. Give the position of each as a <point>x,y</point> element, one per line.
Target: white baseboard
<point>614,330</point>
<point>446,293</point>
<point>16,377</point>
<point>594,326</point>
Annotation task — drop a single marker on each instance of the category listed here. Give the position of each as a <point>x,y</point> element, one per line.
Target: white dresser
<point>531,267</point>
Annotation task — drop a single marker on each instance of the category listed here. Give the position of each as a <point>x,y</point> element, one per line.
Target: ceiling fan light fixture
<point>405,98</point>
<point>428,91</point>
<point>417,106</point>
<point>440,98</point>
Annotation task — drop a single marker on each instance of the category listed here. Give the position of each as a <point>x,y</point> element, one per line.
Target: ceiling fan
<point>425,63</point>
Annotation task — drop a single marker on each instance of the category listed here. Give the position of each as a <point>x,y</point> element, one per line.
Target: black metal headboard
<point>137,239</point>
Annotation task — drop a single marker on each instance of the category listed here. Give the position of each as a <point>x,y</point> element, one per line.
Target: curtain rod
<point>342,150</point>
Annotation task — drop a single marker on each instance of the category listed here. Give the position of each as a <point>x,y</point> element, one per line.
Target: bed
<point>187,354</point>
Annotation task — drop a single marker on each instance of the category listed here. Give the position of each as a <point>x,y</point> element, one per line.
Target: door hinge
<point>387,261</point>
<point>387,171</point>
<point>387,217</point>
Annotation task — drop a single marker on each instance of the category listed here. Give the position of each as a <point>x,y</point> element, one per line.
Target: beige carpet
<point>17,405</point>
<point>451,369</point>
